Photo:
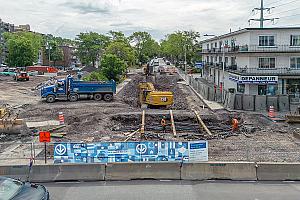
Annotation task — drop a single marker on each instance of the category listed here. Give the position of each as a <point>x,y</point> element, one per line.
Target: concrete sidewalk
<point>210,104</point>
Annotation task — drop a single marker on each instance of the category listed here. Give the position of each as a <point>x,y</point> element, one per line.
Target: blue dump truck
<point>73,90</point>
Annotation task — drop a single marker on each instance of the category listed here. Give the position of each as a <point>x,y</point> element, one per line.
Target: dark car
<point>11,189</point>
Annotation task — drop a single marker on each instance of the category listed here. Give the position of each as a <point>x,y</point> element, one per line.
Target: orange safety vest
<point>163,122</point>
<point>235,124</point>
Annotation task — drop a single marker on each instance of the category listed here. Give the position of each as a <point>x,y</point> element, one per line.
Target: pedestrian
<point>163,123</point>
<point>235,124</point>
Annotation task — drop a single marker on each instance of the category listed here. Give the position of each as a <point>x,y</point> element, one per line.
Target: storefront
<point>255,85</point>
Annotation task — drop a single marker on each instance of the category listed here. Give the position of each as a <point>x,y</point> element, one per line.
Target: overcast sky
<point>67,18</point>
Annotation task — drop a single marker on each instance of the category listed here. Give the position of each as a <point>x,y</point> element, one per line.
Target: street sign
<point>199,65</point>
<point>45,137</point>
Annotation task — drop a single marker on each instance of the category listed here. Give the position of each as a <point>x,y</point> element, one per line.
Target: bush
<point>96,76</point>
<point>113,67</point>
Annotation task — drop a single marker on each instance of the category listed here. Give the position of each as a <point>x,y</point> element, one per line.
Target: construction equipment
<point>152,98</point>
<point>9,122</point>
<point>21,76</point>
<point>293,118</point>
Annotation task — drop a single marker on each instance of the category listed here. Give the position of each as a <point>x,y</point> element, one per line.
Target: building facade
<point>254,61</point>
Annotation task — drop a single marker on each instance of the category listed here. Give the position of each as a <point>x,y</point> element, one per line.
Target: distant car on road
<point>11,189</point>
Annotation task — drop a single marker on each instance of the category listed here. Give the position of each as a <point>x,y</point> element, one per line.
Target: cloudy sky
<point>67,18</point>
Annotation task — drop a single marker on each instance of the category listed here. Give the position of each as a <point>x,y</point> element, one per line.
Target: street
<point>181,190</point>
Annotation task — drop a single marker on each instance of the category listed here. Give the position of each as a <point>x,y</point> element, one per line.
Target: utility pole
<point>262,9</point>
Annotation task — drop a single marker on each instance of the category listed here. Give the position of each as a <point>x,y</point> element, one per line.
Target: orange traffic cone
<point>272,112</point>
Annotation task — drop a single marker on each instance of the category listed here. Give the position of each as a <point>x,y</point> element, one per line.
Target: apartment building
<point>254,61</point>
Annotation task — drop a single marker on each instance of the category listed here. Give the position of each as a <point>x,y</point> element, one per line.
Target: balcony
<point>282,71</point>
<point>268,72</point>
<point>254,49</point>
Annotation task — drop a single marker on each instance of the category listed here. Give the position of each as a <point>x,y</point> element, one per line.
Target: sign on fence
<point>110,152</point>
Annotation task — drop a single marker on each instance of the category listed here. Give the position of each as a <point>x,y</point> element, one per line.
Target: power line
<point>273,2</point>
<point>262,9</point>
<point>287,3</point>
<point>284,11</point>
<point>289,16</point>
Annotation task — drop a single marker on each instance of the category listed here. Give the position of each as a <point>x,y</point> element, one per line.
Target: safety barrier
<point>131,171</point>
<point>219,170</point>
<point>278,171</point>
<point>159,171</point>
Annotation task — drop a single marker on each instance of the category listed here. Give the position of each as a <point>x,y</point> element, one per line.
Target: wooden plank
<point>42,124</point>
<point>201,123</point>
<point>173,124</point>
<point>143,124</point>
<point>131,135</point>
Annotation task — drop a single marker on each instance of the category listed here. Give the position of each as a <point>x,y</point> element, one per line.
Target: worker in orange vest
<point>235,124</point>
<point>163,123</point>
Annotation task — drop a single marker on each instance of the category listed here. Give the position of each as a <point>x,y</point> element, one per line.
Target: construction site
<point>257,138</point>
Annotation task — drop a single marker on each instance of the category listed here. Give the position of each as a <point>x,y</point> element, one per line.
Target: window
<point>266,63</point>
<point>295,62</point>
<point>207,46</point>
<point>266,41</point>
<point>262,89</point>
<point>216,59</point>
<point>207,59</point>
<point>220,59</point>
<point>216,45</point>
<point>295,40</point>
<point>241,88</point>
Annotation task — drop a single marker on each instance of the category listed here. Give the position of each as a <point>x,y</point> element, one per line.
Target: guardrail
<point>158,171</point>
<point>252,49</point>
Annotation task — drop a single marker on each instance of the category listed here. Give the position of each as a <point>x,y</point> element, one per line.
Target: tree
<point>16,53</point>
<point>145,46</point>
<point>21,52</point>
<point>177,44</point>
<point>112,67</point>
<point>118,36</point>
<point>91,47</point>
<point>56,53</point>
<point>122,50</point>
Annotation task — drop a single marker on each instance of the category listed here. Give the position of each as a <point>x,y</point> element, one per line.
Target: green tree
<point>56,53</point>
<point>112,67</point>
<point>96,76</point>
<point>123,51</point>
<point>91,47</point>
<point>33,40</point>
<point>175,45</point>
<point>118,36</point>
<point>21,52</point>
<point>145,46</point>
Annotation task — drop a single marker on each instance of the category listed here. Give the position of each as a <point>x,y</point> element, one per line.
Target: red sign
<point>45,137</point>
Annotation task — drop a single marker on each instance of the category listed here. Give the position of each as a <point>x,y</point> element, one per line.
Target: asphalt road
<point>174,190</point>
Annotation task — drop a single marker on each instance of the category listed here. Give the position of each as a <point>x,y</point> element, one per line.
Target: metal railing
<point>254,49</point>
<point>255,71</point>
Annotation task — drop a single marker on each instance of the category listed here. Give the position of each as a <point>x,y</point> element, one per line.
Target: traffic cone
<point>271,112</point>
<point>61,118</point>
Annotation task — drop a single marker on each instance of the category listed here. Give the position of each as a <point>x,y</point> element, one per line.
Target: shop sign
<point>234,77</point>
<point>258,79</point>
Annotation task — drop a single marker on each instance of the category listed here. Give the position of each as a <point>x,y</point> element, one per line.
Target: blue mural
<point>110,152</point>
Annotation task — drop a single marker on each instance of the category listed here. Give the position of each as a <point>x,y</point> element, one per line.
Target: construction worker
<point>163,123</point>
<point>235,124</point>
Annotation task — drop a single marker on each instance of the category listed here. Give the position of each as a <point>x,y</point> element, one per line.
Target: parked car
<point>8,72</point>
<point>12,189</point>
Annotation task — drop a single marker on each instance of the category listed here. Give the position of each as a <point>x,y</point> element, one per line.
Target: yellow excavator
<point>154,99</point>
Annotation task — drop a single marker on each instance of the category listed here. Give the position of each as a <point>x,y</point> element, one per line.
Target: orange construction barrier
<point>61,118</point>
<point>272,112</point>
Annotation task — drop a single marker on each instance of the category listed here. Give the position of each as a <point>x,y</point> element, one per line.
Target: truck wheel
<point>73,97</point>
<point>50,98</point>
<point>97,97</point>
<point>108,97</point>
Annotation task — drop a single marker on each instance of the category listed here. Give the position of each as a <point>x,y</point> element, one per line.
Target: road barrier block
<point>133,171</point>
<point>219,170</point>
<point>278,171</point>
<point>17,172</point>
<point>69,172</point>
